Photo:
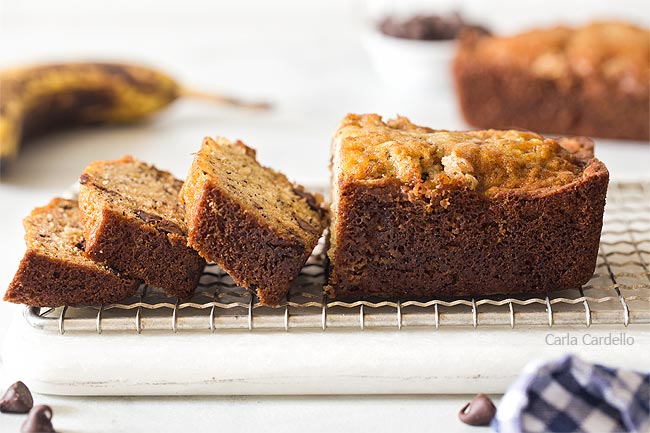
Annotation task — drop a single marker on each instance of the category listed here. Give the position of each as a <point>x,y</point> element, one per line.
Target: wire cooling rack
<point>618,293</point>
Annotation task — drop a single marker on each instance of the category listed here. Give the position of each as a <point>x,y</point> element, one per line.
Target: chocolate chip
<point>309,198</point>
<point>158,222</point>
<point>17,399</point>
<point>81,244</point>
<point>87,181</point>
<point>147,217</point>
<point>84,179</point>
<point>305,225</point>
<point>425,27</point>
<point>478,412</point>
<point>39,420</point>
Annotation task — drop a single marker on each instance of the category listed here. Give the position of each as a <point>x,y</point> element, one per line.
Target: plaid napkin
<point>571,395</point>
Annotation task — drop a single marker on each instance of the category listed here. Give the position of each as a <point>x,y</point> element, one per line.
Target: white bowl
<point>411,64</point>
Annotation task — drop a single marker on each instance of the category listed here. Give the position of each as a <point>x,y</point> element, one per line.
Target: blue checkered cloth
<point>571,395</point>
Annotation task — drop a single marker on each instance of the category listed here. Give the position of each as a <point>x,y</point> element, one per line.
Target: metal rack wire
<point>618,293</point>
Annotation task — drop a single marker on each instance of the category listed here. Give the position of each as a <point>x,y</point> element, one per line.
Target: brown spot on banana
<point>35,100</point>
<point>41,98</point>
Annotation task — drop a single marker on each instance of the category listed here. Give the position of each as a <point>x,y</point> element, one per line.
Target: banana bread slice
<point>54,270</point>
<point>591,80</point>
<point>418,212</point>
<point>133,223</point>
<point>249,219</point>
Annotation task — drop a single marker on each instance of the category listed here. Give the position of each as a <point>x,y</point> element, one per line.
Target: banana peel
<point>37,99</point>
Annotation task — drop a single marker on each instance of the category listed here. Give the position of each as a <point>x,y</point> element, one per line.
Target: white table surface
<point>253,414</point>
<point>307,58</point>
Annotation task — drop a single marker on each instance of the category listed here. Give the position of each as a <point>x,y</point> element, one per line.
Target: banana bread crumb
<point>54,270</point>
<point>133,222</point>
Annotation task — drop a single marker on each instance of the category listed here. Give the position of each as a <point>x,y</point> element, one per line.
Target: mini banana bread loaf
<point>249,219</point>
<point>133,222</point>
<point>54,270</point>
<point>592,80</point>
<point>418,212</point>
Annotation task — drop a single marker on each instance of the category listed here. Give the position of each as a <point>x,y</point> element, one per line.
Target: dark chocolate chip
<point>39,420</point>
<point>17,399</point>
<point>84,179</point>
<point>147,217</point>
<point>101,188</point>
<point>158,222</point>
<point>305,225</point>
<point>478,412</point>
<point>169,227</point>
<point>309,198</point>
<point>424,27</point>
<point>81,244</point>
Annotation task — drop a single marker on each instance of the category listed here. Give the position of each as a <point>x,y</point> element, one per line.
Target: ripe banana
<point>34,100</point>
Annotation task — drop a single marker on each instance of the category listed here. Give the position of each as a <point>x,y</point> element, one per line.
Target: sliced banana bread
<point>249,219</point>
<point>420,212</point>
<point>54,270</point>
<point>133,222</point>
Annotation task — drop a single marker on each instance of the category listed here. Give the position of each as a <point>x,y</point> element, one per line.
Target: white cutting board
<point>460,360</point>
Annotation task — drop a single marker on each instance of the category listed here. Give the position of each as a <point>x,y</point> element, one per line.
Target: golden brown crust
<point>54,271</point>
<point>248,219</point>
<point>611,51</point>
<point>389,238</point>
<point>423,158</point>
<point>591,80</point>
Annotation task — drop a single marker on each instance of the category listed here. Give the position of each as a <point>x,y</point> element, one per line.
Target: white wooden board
<point>450,360</point>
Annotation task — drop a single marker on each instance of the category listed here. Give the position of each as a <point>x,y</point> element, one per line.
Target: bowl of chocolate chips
<point>416,52</point>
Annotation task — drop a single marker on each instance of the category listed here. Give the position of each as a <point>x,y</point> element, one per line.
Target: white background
<point>308,58</point>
